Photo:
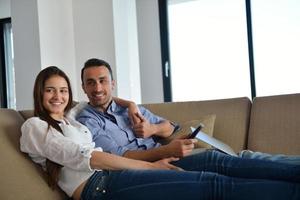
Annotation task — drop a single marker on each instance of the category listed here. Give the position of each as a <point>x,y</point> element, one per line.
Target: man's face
<point>98,86</point>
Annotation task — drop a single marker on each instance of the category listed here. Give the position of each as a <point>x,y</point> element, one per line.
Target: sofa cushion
<point>26,113</point>
<point>275,124</point>
<point>20,177</point>
<point>208,122</point>
<point>232,117</point>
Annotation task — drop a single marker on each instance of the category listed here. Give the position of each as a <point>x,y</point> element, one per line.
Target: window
<point>207,49</point>
<point>276,42</point>
<point>7,84</point>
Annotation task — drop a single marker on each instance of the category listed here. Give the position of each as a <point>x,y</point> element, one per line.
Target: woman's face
<point>56,96</point>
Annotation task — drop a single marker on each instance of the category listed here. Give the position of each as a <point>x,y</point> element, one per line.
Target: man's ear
<point>113,84</point>
<point>82,86</point>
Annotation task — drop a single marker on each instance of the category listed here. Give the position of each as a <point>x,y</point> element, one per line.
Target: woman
<point>65,149</point>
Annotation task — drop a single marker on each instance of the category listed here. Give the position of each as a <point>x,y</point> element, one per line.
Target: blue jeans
<point>217,177</point>
<point>218,162</point>
<point>271,157</point>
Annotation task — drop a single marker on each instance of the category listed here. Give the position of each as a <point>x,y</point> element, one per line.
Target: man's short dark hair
<point>95,62</point>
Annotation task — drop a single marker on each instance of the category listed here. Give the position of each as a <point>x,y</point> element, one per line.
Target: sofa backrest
<point>231,123</point>
<point>275,124</point>
<point>232,117</point>
<point>20,177</point>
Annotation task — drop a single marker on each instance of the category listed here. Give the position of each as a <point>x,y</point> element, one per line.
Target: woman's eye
<point>48,90</point>
<point>64,91</point>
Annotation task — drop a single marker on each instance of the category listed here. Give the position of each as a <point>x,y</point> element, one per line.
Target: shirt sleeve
<point>38,139</point>
<point>154,119</point>
<point>101,137</point>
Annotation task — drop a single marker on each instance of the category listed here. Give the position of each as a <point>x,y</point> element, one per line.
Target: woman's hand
<point>165,164</point>
<point>134,113</point>
<point>133,109</point>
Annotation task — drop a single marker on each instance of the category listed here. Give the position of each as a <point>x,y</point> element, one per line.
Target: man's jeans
<point>216,176</point>
<point>218,162</point>
<point>271,157</point>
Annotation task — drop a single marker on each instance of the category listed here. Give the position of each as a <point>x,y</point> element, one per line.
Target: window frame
<point>3,82</point>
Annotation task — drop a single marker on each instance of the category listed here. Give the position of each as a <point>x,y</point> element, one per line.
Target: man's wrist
<point>154,130</point>
<point>164,151</point>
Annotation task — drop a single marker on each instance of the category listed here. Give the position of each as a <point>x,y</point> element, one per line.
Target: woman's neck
<point>58,117</point>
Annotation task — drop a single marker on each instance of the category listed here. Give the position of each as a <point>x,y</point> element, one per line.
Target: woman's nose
<point>56,94</point>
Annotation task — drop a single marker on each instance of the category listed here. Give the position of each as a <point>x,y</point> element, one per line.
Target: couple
<point>65,148</point>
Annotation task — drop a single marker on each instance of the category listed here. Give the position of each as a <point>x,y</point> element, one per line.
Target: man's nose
<point>98,87</point>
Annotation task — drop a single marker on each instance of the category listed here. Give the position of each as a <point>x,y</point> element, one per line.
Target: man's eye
<point>103,81</point>
<point>90,83</point>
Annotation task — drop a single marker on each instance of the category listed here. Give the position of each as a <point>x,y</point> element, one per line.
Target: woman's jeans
<point>215,176</point>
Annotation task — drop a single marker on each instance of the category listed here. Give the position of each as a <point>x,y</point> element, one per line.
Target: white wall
<point>127,50</point>
<point>93,33</point>
<point>4,9</point>
<point>108,30</point>
<point>27,59</point>
<point>43,35</point>
<point>69,34</point>
<point>149,51</point>
<point>57,38</point>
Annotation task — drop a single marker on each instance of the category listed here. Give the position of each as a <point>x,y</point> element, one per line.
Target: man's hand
<point>180,147</point>
<point>143,129</point>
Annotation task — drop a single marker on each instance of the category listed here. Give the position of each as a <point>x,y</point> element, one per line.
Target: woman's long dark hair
<point>53,169</point>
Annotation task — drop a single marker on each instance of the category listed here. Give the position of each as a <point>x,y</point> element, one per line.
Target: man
<point>117,133</point>
<point>110,124</point>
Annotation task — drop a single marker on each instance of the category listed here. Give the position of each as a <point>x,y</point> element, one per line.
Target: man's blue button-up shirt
<point>112,130</point>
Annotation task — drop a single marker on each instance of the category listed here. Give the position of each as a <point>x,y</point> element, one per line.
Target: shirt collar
<point>113,106</point>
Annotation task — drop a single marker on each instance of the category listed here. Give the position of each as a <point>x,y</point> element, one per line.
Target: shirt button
<point>103,191</point>
<point>97,188</point>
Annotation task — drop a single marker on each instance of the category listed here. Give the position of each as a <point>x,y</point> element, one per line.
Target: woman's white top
<point>72,149</point>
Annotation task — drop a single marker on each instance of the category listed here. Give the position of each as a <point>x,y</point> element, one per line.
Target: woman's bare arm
<point>103,160</point>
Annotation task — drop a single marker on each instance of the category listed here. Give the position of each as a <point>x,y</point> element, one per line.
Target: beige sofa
<point>269,124</point>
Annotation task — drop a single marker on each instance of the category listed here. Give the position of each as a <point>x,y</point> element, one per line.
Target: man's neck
<point>102,108</point>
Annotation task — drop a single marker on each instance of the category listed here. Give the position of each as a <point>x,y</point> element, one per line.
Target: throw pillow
<point>184,130</point>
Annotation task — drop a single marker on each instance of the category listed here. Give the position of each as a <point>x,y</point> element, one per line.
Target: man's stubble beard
<point>102,106</point>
